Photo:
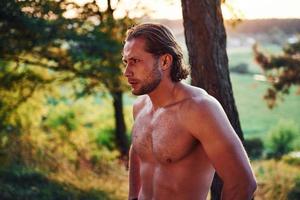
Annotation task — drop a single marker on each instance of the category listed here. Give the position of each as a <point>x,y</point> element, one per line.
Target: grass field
<point>256,118</point>
<point>245,55</point>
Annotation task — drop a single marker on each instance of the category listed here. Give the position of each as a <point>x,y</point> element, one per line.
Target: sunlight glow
<point>254,9</point>
<point>171,9</point>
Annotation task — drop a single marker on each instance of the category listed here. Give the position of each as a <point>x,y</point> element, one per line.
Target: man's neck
<point>164,94</point>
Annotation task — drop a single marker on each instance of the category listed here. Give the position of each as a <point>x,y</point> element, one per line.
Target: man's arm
<point>134,160</point>
<point>134,175</point>
<point>210,125</point>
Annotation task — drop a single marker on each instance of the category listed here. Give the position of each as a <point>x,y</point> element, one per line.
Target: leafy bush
<point>254,147</point>
<point>72,143</point>
<point>281,139</point>
<point>241,68</point>
<point>294,194</point>
<point>106,138</point>
<point>276,179</point>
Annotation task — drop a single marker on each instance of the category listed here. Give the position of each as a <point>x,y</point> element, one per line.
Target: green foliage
<point>73,132</point>
<point>106,138</point>
<point>66,119</point>
<point>41,50</point>
<point>22,89</point>
<point>281,138</point>
<point>81,47</point>
<point>66,135</point>
<point>254,147</point>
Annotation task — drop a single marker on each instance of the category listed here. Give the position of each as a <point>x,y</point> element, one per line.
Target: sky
<point>248,9</point>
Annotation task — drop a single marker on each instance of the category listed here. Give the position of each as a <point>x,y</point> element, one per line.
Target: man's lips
<point>132,82</point>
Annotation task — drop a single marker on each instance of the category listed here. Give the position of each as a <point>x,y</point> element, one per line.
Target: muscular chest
<point>160,136</point>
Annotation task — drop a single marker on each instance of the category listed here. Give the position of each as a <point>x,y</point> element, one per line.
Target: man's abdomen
<point>187,179</point>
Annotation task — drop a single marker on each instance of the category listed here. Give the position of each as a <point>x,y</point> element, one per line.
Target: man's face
<point>142,69</point>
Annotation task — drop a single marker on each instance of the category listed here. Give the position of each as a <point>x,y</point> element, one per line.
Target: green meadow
<point>239,55</point>
<point>256,118</point>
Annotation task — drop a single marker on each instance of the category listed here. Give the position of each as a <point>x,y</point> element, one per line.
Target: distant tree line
<point>287,26</point>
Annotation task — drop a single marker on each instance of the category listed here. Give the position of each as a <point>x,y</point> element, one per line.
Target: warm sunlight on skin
<point>248,9</point>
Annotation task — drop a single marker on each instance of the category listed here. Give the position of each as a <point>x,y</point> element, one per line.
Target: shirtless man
<point>181,134</point>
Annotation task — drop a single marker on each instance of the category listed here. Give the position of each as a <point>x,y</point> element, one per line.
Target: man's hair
<point>159,41</point>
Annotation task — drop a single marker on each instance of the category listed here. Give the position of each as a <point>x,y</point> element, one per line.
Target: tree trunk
<point>206,42</point>
<point>120,127</point>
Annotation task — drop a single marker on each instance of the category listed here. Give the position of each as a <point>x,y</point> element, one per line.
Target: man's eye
<point>135,60</point>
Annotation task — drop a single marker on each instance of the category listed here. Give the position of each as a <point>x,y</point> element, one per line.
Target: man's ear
<point>166,61</point>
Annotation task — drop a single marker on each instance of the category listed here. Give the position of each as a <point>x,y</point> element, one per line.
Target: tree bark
<point>206,42</point>
<point>120,127</point>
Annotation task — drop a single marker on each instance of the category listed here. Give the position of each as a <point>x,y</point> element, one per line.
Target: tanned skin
<point>181,136</point>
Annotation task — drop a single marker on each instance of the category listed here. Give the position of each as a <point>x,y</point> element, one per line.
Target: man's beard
<point>150,82</point>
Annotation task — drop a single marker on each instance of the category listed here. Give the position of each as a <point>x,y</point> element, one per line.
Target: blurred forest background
<point>65,109</point>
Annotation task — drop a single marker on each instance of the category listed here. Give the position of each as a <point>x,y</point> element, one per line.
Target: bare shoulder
<point>200,106</point>
<point>200,101</point>
<point>203,116</point>
<point>139,104</point>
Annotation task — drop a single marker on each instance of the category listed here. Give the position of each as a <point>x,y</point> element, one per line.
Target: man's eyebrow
<point>129,58</point>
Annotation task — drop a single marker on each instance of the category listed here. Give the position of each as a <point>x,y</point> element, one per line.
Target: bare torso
<point>181,135</point>
<point>173,164</point>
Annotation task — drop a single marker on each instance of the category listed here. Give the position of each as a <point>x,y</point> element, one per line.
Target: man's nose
<point>128,72</point>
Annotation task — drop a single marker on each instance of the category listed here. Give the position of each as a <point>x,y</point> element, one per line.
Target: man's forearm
<point>133,192</point>
<point>134,175</point>
<point>134,183</point>
<point>238,192</point>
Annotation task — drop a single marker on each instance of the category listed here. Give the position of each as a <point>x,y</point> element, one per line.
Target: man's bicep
<point>221,144</point>
<point>227,156</point>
